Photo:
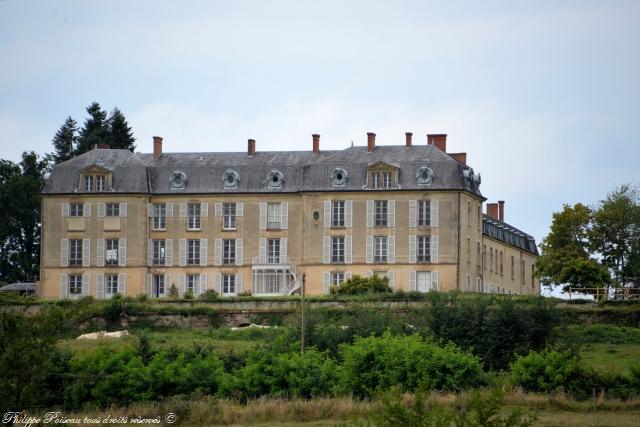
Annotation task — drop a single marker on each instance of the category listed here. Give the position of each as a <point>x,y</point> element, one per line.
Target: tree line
<point>21,184</point>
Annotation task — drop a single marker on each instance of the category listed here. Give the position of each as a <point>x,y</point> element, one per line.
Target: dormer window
<point>88,183</point>
<point>95,178</point>
<point>382,175</point>
<point>94,183</point>
<point>100,181</point>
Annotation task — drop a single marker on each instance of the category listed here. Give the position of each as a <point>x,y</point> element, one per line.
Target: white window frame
<point>380,249</point>
<point>229,216</point>
<point>381,213</point>
<point>111,252</point>
<point>424,276</point>
<point>424,213</point>
<point>159,256</point>
<point>192,283</point>
<point>228,251</point>
<point>193,252</point>
<point>112,209</point>
<point>337,249</point>
<point>338,213</point>
<point>274,250</point>
<point>159,216</point>
<point>194,212</point>
<point>387,178</point>
<point>423,249</point>
<point>75,285</point>
<point>337,278</point>
<point>110,284</point>
<point>88,183</point>
<point>75,252</point>
<point>274,216</point>
<point>76,209</point>
<point>229,284</point>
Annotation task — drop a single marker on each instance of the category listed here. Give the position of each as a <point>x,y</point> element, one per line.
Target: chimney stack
<point>501,210</point>
<point>251,147</point>
<point>316,143</point>
<point>461,157</point>
<point>492,210</point>
<point>439,140</point>
<point>408,136</point>
<point>371,141</point>
<point>157,147</point>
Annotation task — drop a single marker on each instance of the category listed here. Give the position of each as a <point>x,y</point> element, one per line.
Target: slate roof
<point>508,234</point>
<point>303,171</point>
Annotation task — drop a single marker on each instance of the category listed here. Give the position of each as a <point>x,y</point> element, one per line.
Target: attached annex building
<point>116,221</point>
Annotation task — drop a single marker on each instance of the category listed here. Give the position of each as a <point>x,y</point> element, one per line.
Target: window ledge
<point>194,229</point>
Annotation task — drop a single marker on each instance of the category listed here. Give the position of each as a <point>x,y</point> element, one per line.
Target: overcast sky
<point>543,96</point>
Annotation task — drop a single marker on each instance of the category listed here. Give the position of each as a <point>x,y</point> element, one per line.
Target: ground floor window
<point>111,284</point>
<point>337,277</point>
<point>75,285</point>
<point>228,284</point>
<point>192,283</point>
<point>269,282</point>
<point>158,285</point>
<point>423,281</point>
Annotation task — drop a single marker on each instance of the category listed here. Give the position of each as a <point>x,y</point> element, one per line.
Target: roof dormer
<point>382,175</point>
<point>95,178</point>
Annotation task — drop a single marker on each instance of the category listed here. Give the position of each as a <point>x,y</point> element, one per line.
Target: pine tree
<point>95,129</point>
<point>64,141</point>
<point>120,134</point>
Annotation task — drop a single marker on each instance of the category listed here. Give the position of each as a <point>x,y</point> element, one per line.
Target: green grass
<point>600,333</point>
<point>611,358</point>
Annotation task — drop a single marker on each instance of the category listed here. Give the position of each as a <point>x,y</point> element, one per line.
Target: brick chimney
<point>461,157</point>
<point>316,143</point>
<point>408,136</point>
<point>492,210</point>
<point>101,146</point>
<point>251,147</point>
<point>157,147</point>
<point>501,210</point>
<point>371,141</point>
<point>439,140</point>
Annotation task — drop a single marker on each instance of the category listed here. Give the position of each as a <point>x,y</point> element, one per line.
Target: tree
<point>64,142</point>
<point>616,232</point>
<point>565,257</point>
<point>20,186</point>
<point>95,129</point>
<point>583,275</point>
<point>120,134</point>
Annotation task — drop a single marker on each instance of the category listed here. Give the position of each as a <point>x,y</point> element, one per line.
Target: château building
<point>259,222</point>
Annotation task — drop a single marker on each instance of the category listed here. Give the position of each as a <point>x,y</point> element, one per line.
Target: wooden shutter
<point>348,213</point>
<point>167,284</point>
<point>347,275</point>
<point>123,210</point>
<point>412,281</point>
<point>263,216</point>
<point>391,209</point>
<point>434,248</point>
<point>284,218</point>
<point>203,252</point>
<point>101,210</point>
<point>150,210</point>
<point>149,252</point>
<point>240,209</point>
<point>99,286</point>
<point>239,252</point>
<point>169,215</point>
<point>86,252</point>
<point>413,213</point>
<point>100,252</point>
<point>204,210</point>
<point>204,282</point>
<point>182,284</point>
<point>168,252</point>
<point>391,249</point>
<point>217,256</point>
<point>348,258</point>
<point>183,210</point>
<point>327,214</point>
<point>64,286</point>
<point>86,284</point>
<point>64,253</point>
<point>86,210</point>
<point>122,252</point>
<point>392,279</point>
<point>326,249</point>
<point>149,284</point>
<point>122,284</point>
<point>218,209</point>
<point>434,213</point>
<point>262,251</point>
<point>370,213</point>
<point>283,250</point>
<point>218,283</point>
<point>65,210</point>
<point>239,287</point>
<point>326,282</point>
<point>434,281</point>
<point>182,252</point>
<point>412,249</point>
<point>369,258</point>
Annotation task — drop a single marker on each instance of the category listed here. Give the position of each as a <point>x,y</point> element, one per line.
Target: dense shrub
<point>598,333</point>
<point>358,285</point>
<point>410,362</point>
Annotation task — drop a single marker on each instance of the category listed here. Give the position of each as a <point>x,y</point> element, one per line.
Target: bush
<point>209,295</point>
<point>358,285</point>
<point>374,364</point>
<point>114,309</point>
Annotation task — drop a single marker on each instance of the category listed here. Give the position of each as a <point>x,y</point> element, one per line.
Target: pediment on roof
<point>382,166</point>
<point>95,168</point>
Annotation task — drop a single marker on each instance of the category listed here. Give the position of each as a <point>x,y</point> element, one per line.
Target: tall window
<point>75,252</point>
<point>490,260</point>
<point>88,183</point>
<point>159,216</point>
<point>512,267</point>
<point>468,214</point>
<point>274,216</point>
<point>229,216</point>
<point>337,277</point>
<point>229,251</point>
<point>112,209</point>
<point>424,212</point>
<point>375,178</point>
<point>75,285</point>
<point>229,284</point>
<point>468,249</point>
<point>533,275</point>
<point>273,246</point>
<point>337,249</point>
<point>381,212</point>
<point>478,254</point>
<point>380,249</point>
<point>100,183</point>
<point>111,252</point>
<point>337,220</point>
<point>386,179</point>
<point>424,249</point>
<point>479,217</point>
<point>192,282</point>
<point>501,265</point>
<point>193,216</point>
<point>158,252</point>
<point>158,285</point>
<point>110,284</point>
<point>193,251</point>
<point>423,281</point>
<point>75,209</point>
<point>484,257</point>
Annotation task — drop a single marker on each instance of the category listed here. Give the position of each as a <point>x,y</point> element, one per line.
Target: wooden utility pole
<point>302,314</point>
